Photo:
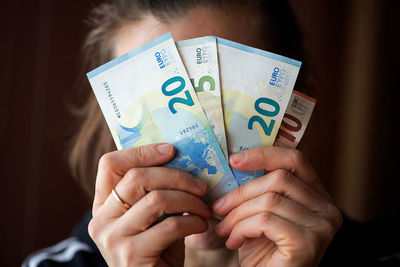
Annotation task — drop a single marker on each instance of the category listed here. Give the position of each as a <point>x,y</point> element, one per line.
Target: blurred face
<point>241,25</point>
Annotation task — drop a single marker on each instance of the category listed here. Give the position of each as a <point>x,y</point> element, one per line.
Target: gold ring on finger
<point>125,204</point>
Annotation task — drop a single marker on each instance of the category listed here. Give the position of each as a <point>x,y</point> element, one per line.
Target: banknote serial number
<point>189,129</point>
<point>112,99</point>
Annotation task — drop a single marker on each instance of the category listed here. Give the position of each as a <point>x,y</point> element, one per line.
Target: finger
<point>157,203</point>
<point>272,158</point>
<point>272,203</point>
<point>160,236</point>
<point>113,165</point>
<point>276,229</point>
<point>142,156</point>
<point>280,182</point>
<point>137,182</point>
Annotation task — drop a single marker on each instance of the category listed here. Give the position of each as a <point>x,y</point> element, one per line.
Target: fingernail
<point>238,157</point>
<point>164,148</point>
<point>201,184</point>
<point>218,204</point>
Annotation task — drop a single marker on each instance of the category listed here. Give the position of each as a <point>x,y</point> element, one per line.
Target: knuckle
<point>142,153</point>
<point>129,254</point>
<point>154,198</point>
<point>272,199</point>
<point>338,217</point>
<point>240,193</point>
<point>265,218</point>
<point>334,214</point>
<point>177,175</point>
<point>171,224</point>
<point>133,176</point>
<point>297,157</point>
<point>233,216</point>
<point>106,160</point>
<point>328,231</point>
<point>282,178</point>
<point>93,229</point>
<point>108,241</point>
<point>263,151</point>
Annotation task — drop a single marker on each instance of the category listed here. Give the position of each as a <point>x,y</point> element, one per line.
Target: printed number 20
<point>257,105</point>
<point>186,101</point>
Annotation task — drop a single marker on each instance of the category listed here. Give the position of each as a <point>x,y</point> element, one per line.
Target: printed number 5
<point>202,81</point>
<point>186,101</point>
<point>257,105</point>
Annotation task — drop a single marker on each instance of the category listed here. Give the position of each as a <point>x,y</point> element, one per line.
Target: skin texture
<point>284,218</point>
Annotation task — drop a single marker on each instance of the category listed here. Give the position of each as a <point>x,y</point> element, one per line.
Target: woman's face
<point>240,25</point>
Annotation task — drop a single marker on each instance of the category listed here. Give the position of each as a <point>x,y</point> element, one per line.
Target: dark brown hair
<point>93,138</point>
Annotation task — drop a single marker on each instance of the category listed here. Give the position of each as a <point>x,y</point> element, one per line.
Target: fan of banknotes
<point>209,97</point>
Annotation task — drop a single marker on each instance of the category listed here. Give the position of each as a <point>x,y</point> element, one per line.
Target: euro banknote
<point>199,55</point>
<point>146,97</point>
<point>256,86</point>
<point>295,120</point>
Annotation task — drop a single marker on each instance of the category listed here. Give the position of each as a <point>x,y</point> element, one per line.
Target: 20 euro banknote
<point>199,55</point>
<point>146,97</point>
<point>256,87</point>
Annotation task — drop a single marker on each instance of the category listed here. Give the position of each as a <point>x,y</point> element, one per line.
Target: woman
<point>284,218</point>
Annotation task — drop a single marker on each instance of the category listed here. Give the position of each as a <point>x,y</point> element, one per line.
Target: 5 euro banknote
<point>199,55</point>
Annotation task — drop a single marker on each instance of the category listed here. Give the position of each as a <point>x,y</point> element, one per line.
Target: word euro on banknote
<point>295,120</point>
<point>146,97</point>
<point>199,55</point>
<point>256,87</point>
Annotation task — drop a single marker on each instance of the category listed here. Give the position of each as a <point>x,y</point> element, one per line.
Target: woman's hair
<point>93,138</point>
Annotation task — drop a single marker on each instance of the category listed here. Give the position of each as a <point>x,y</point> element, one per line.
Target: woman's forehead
<point>243,26</point>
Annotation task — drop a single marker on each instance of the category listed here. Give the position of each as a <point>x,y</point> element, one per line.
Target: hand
<point>284,218</point>
<point>127,237</point>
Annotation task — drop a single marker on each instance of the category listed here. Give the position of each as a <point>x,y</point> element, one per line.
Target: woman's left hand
<point>284,218</point>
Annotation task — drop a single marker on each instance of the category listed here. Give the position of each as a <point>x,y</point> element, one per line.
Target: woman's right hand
<point>127,237</point>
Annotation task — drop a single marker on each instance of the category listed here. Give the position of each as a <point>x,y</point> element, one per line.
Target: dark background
<point>351,140</point>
